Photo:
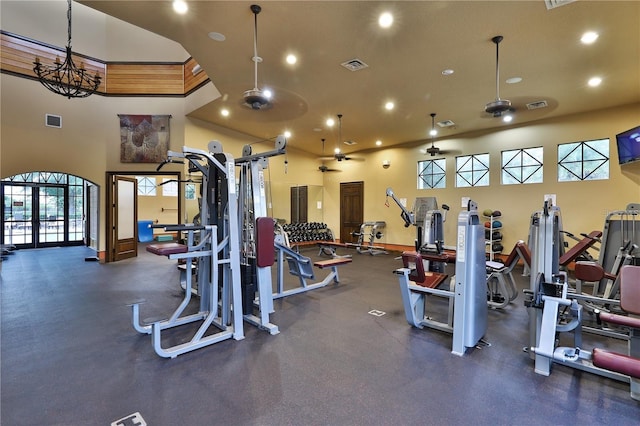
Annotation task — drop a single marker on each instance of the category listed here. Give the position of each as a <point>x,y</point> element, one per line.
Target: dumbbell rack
<point>307,232</point>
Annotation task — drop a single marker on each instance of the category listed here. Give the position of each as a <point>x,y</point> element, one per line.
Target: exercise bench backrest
<point>413,260</point>
<point>525,253</point>
<point>512,259</point>
<point>582,245</point>
<point>630,289</point>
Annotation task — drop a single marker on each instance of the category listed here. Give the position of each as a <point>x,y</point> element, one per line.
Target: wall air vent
<point>552,4</point>
<point>354,65</point>
<point>446,123</point>
<point>51,120</point>
<point>537,105</point>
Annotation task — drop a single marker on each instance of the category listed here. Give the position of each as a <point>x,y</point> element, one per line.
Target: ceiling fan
<point>338,155</point>
<point>256,98</point>
<point>323,168</point>
<point>433,150</point>
<point>498,106</point>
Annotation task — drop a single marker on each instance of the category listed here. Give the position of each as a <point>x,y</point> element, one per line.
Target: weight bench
<point>627,364</point>
<point>416,285</point>
<point>300,266</point>
<point>502,285</point>
<point>583,245</point>
<point>329,248</point>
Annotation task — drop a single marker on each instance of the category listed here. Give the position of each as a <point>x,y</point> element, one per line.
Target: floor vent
<point>51,120</point>
<point>537,104</point>
<point>354,65</point>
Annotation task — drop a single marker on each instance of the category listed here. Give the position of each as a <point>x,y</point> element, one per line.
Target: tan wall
<point>302,168</point>
<point>88,143</point>
<point>584,205</point>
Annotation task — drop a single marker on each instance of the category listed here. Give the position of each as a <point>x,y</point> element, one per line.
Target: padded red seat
<point>165,249</point>
<point>332,262</point>
<point>582,245</point>
<point>616,362</point>
<point>413,260</point>
<point>591,272</point>
<point>629,302</point>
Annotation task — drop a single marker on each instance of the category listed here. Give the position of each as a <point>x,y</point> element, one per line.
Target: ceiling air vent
<point>446,123</point>
<point>537,104</point>
<point>552,4</point>
<point>354,65</point>
<point>350,142</point>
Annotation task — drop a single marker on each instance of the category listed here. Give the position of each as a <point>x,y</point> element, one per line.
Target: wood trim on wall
<point>17,55</point>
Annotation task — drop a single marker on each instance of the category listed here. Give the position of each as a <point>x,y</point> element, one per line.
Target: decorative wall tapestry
<point>144,138</point>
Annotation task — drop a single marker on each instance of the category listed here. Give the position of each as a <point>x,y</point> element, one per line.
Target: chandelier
<point>66,78</point>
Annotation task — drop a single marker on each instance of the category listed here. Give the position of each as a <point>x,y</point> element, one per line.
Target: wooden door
<point>299,201</point>
<point>351,210</point>
<point>123,200</point>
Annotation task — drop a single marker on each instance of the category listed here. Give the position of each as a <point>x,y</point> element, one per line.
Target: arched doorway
<point>49,209</point>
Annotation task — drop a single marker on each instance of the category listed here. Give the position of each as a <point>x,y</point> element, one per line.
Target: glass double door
<point>34,215</point>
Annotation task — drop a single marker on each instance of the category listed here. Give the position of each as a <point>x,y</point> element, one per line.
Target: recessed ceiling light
<point>594,81</point>
<point>385,20</point>
<point>287,134</point>
<point>378,143</point>
<point>513,80</point>
<point>291,59</point>
<point>330,122</point>
<point>389,106</point>
<point>180,6</point>
<point>448,71</point>
<point>507,118</point>
<point>224,112</point>
<point>217,36</point>
<point>589,37</point>
<point>337,150</point>
<point>267,93</point>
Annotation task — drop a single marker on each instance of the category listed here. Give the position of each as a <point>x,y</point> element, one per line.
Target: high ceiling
<point>405,63</point>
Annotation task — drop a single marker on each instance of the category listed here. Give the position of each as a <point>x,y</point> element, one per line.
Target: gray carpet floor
<point>69,356</point>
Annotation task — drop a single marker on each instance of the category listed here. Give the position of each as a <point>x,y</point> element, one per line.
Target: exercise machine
<point>257,236</point>
<point>301,267</point>
<point>501,284</point>
<point>217,252</point>
<point>429,221</point>
<point>371,231</point>
<point>467,314</point>
<point>549,295</point>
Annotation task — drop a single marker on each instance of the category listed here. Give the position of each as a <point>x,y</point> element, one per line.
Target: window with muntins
<point>431,174</point>
<point>521,166</point>
<point>580,161</point>
<point>146,186</point>
<point>472,170</point>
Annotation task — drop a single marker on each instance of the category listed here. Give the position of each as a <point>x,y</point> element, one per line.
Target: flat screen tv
<point>628,145</point>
